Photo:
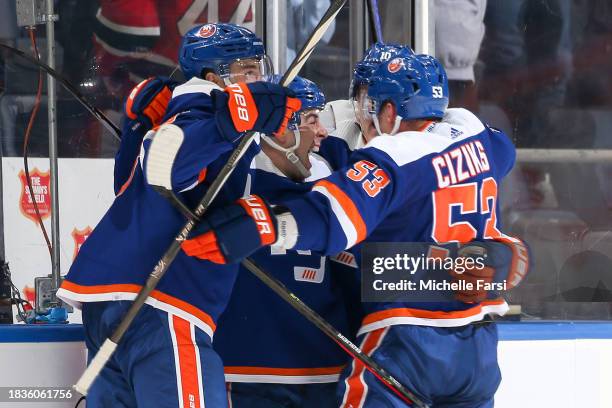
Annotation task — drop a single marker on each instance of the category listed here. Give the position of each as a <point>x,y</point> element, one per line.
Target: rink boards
<point>556,364</point>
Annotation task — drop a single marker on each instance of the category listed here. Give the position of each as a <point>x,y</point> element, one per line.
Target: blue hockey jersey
<point>438,185</point>
<point>140,225</point>
<point>287,348</point>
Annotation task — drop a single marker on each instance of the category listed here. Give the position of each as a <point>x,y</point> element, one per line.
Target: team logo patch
<point>42,195</point>
<point>207,30</point>
<point>345,258</point>
<point>79,237</point>
<point>395,65</point>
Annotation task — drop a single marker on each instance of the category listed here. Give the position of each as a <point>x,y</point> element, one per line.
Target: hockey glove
<point>148,101</point>
<point>232,233</point>
<point>259,106</point>
<point>492,262</point>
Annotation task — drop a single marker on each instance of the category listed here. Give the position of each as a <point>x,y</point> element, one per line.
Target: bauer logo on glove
<point>241,107</point>
<point>232,233</point>
<point>257,106</point>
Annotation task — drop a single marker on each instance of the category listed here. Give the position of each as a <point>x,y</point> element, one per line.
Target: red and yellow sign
<point>42,195</point>
<point>79,238</point>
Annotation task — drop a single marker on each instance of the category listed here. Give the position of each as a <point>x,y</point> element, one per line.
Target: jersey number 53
<point>374,178</point>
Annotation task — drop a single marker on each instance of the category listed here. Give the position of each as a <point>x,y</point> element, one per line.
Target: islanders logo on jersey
<point>207,30</point>
<point>395,65</point>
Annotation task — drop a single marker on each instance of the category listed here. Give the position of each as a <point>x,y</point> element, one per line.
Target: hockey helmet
<point>374,56</point>
<point>215,46</point>
<point>417,85</point>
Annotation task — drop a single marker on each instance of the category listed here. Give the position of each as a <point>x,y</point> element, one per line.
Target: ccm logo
<point>241,103</point>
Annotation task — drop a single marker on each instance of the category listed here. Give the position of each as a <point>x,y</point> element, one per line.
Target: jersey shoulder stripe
<point>408,147</point>
<point>195,85</point>
<point>345,210</point>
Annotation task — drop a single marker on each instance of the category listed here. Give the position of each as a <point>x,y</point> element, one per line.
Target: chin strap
<point>396,125</point>
<point>290,152</point>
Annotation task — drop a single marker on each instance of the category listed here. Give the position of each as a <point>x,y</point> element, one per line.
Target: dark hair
<point>206,71</point>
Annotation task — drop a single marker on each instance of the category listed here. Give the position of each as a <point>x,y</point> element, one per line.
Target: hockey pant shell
<point>163,360</point>
<point>260,395</point>
<point>446,367</point>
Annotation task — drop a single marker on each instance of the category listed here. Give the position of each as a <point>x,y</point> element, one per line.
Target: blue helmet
<point>374,56</point>
<point>215,46</point>
<point>417,86</point>
<point>307,92</point>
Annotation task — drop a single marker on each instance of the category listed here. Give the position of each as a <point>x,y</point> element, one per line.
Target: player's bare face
<point>245,70</point>
<point>312,130</point>
<point>312,133</point>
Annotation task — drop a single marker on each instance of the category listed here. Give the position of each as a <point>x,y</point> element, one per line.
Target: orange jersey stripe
<point>188,366</point>
<point>129,180</point>
<point>354,395</point>
<point>428,314</point>
<point>132,96</point>
<point>283,371</point>
<point>348,206</point>
<point>133,288</point>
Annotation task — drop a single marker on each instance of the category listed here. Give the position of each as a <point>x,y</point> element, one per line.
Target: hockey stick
<point>108,347</point>
<point>375,20</point>
<point>342,341</point>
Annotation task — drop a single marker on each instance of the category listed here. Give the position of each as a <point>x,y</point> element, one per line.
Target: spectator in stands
<point>459,33</point>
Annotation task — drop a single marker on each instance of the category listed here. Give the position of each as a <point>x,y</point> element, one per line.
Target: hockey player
<point>297,377</point>
<point>289,363</point>
<point>165,358</point>
<point>431,175</point>
<point>339,117</point>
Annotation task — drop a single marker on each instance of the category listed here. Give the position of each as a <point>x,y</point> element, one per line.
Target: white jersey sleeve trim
<point>195,85</point>
<point>350,232</point>
<point>499,310</point>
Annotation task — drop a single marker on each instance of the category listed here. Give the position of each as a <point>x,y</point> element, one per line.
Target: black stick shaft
<point>322,324</point>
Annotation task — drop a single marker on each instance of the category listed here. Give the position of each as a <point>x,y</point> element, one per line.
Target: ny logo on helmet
<point>207,30</point>
<point>437,92</point>
<point>395,65</point>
